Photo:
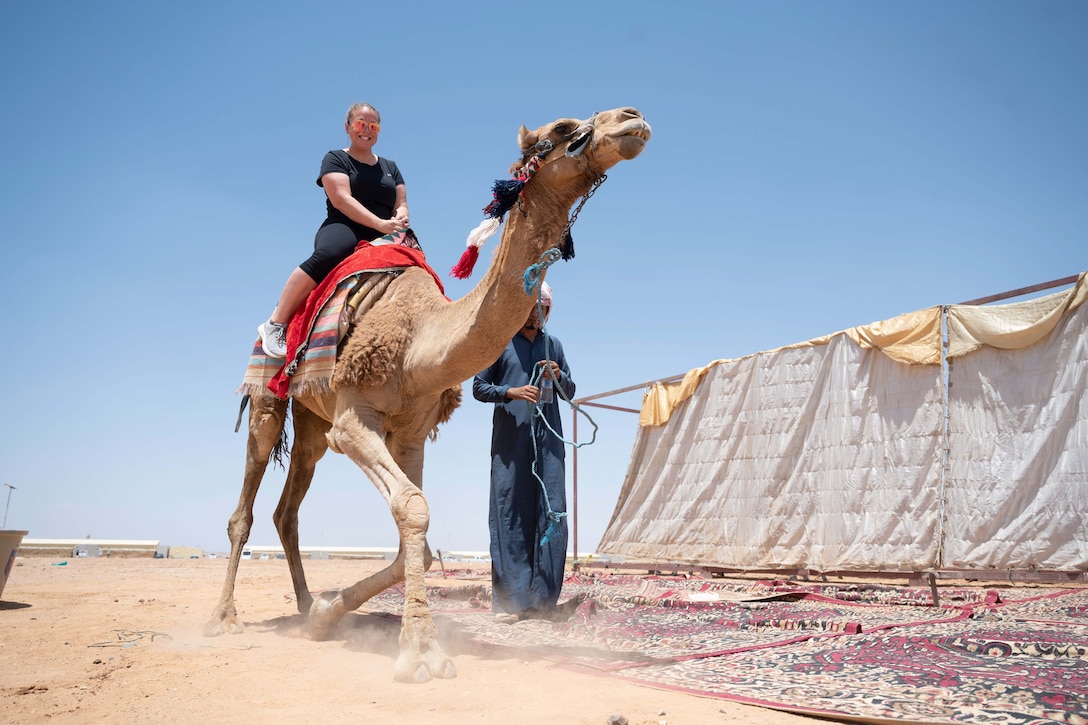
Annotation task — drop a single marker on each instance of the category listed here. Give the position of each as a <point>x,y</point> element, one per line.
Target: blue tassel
<point>505,193</point>
<point>553,526</point>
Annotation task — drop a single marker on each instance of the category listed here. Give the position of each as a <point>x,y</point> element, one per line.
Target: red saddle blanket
<point>384,254</point>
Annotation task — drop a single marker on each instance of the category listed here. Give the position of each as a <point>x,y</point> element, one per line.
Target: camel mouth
<point>636,127</point>
<point>630,138</point>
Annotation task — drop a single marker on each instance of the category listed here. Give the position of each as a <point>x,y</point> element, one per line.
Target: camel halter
<point>506,193</point>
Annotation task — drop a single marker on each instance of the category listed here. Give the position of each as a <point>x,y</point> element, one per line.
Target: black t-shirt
<point>375,187</point>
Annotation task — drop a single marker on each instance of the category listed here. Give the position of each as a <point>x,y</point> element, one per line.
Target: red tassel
<point>463,268</point>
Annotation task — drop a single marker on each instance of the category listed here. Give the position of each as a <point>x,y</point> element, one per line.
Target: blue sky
<point>814,166</point>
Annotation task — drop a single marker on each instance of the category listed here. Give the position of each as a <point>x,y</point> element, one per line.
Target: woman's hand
<point>389,226</point>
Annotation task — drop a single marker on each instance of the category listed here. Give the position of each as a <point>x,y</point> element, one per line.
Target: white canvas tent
<point>950,438</point>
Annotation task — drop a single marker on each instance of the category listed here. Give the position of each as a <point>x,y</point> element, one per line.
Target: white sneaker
<point>273,338</point>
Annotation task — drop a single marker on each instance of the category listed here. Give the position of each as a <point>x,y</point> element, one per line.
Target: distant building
<point>184,552</point>
<point>62,548</point>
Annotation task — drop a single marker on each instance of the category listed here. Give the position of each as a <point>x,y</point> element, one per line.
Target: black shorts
<point>333,243</point>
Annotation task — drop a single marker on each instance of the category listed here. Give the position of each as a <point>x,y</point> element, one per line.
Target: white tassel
<point>483,232</point>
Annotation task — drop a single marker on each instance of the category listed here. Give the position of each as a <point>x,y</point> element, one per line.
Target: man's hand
<point>550,369</point>
<point>529,393</point>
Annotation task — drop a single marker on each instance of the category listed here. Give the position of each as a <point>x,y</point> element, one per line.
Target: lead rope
<point>505,194</point>
<point>532,280</point>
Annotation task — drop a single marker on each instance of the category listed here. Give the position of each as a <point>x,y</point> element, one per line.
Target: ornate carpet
<point>858,652</point>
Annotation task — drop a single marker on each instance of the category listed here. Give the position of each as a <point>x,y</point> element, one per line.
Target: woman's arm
<point>400,206</point>
<point>338,188</point>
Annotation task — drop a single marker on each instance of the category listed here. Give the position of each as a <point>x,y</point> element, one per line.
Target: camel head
<point>560,161</point>
<point>571,147</point>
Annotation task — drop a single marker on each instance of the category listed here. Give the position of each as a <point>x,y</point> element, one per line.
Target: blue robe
<point>525,575</point>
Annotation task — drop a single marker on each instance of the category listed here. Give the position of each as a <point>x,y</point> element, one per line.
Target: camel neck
<point>481,323</point>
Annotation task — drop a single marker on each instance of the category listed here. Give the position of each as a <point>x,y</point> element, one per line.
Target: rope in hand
<point>533,279</point>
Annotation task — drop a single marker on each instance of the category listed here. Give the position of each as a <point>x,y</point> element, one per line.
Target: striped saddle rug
<point>315,331</point>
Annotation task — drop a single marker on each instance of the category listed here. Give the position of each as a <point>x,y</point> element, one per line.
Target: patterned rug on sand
<point>860,652</point>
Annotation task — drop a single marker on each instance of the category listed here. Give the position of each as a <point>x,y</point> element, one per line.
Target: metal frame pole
<point>7,505</point>
<point>574,484</point>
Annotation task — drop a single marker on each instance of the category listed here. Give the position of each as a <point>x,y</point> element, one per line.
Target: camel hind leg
<point>266,420</point>
<point>309,446</point>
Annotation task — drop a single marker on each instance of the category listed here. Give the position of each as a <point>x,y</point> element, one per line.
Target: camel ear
<point>526,138</point>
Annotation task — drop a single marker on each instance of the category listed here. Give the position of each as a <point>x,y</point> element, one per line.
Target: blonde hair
<point>356,107</point>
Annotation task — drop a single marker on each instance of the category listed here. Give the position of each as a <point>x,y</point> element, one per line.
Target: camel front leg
<point>359,433</point>
<point>266,420</point>
<point>421,656</point>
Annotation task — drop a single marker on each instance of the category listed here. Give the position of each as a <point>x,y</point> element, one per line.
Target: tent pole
<point>574,483</point>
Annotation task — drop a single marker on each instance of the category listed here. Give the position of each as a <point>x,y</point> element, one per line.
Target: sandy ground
<point>119,640</point>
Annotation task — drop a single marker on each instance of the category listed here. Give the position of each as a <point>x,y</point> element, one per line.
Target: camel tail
<point>282,448</point>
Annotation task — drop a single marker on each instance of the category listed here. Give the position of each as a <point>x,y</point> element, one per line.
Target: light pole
<point>10,489</point>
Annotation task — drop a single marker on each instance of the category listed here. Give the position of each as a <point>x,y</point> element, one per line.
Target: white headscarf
<point>545,294</point>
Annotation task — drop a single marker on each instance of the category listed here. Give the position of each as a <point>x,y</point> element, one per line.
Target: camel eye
<point>562,129</point>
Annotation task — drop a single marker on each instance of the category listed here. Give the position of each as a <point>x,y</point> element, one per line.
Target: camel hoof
<point>323,615</point>
<point>412,667</point>
<point>445,671</point>
<point>411,671</point>
<point>438,663</point>
<point>218,626</point>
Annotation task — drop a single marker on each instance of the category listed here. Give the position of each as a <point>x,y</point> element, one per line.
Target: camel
<point>399,376</point>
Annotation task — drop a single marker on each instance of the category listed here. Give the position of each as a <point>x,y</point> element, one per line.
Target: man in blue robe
<point>528,546</point>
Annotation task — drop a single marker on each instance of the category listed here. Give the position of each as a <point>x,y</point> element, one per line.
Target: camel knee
<point>282,520</point>
<point>411,511</point>
<point>239,526</point>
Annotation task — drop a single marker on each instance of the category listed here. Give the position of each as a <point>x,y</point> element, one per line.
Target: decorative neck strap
<point>504,194</point>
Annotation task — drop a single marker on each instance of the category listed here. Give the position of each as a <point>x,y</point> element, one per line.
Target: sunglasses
<point>360,125</point>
